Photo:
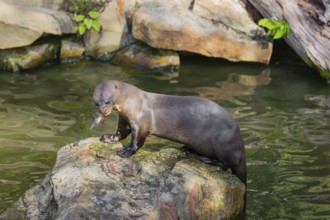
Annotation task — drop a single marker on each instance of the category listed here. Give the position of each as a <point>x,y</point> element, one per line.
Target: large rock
<point>309,22</point>
<point>28,57</point>
<point>141,56</point>
<point>27,23</point>
<point>89,181</point>
<point>201,27</point>
<point>230,13</point>
<point>115,31</point>
<point>55,4</point>
<point>12,36</point>
<point>71,50</point>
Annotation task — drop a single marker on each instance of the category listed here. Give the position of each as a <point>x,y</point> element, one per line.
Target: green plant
<point>276,28</point>
<point>88,22</point>
<point>325,75</point>
<point>86,13</point>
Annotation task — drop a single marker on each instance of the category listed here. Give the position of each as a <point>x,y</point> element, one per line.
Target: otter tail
<point>240,172</point>
<point>238,167</point>
<point>238,160</point>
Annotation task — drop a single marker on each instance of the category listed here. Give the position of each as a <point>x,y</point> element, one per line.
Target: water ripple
<point>27,121</point>
<point>35,164</point>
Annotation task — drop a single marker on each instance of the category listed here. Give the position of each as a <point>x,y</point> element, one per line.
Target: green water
<point>283,110</point>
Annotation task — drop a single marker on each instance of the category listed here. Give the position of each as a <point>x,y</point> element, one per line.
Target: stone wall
<point>221,29</point>
<point>205,27</point>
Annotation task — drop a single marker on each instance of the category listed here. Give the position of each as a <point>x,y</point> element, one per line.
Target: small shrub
<point>276,28</point>
<point>86,13</point>
<point>326,75</point>
<point>88,22</point>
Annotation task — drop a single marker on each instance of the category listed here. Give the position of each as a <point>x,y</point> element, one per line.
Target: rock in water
<point>89,181</point>
<point>28,57</point>
<point>141,56</point>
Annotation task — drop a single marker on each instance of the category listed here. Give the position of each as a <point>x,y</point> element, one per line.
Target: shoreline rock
<point>199,31</point>
<point>141,56</point>
<point>34,21</point>
<point>28,57</point>
<point>174,26</point>
<point>194,26</point>
<point>89,180</point>
<point>310,27</point>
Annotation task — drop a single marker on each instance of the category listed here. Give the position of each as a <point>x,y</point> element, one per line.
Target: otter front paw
<point>109,138</point>
<point>125,152</point>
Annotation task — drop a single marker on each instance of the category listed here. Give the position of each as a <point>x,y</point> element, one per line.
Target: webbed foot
<point>126,152</point>
<point>109,138</point>
<point>186,150</point>
<point>213,162</point>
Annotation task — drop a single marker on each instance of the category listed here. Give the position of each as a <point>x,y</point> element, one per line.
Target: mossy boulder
<point>28,57</point>
<point>89,181</point>
<point>141,56</point>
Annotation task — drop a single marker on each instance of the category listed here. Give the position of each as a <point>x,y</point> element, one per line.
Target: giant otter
<point>198,123</point>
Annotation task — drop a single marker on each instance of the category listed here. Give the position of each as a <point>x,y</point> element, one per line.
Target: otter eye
<point>96,104</point>
<point>107,102</point>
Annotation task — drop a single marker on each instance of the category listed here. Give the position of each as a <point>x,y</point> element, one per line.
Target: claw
<point>109,138</point>
<point>125,152</point>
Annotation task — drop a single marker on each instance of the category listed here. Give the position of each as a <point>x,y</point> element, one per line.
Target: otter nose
<point>105,110</point>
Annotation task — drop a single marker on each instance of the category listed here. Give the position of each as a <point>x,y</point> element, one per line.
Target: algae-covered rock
<point>142,56</point>
<point>28,57</point>
<point>71,50</point>
<point>89,181</point>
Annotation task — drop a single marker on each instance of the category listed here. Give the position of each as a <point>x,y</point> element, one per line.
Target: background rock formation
<point>21,25</point>
<point>310,26</point>
<point>211,28</point>
<point>222,29</point>
<point>196,28</point>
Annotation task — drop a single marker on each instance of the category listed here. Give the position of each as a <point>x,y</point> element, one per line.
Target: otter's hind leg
<point>187,151</point>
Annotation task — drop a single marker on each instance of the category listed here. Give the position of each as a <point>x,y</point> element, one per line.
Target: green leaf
<point>269,24</point>
<point>278,35</point>
<point>325,75</point>
<point>78,18</point>
<point>82,29</point>
<point>93,14</point>
<point>286,28</point>
<point>96,26</point>
<point>88,22</point>
<point>276,28</point>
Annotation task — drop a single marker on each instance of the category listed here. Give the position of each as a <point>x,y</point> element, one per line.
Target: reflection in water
<point>250,80</point>
<point>168,76</point>
<point>28,122</point>
<point>289,159</point>
<point>27,135</point>
<point>235,85</point>
<point>320,100</point>
<point>284,119</point>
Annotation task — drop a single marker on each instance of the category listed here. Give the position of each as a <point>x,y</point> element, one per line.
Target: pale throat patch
<point>117,107</point>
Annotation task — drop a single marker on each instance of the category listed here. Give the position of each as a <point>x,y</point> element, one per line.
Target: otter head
<point>104,97</point>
